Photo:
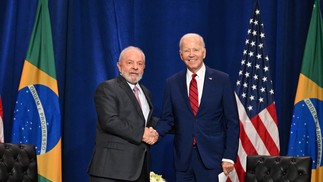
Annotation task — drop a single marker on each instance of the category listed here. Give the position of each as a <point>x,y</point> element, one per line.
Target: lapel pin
<point>210,78</point>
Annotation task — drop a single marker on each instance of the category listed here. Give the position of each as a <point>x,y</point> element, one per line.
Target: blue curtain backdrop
<point>88,36</point>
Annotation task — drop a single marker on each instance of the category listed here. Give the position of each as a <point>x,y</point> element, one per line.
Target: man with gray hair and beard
<point>124,128</point>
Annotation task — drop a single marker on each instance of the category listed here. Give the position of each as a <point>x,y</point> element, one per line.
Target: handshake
<point>150,135</point>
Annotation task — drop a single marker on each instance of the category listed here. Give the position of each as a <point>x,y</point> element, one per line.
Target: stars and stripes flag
<point>306,128</point>
<point>1,122</point>
<point>255,100</point>
<point>37,118</point>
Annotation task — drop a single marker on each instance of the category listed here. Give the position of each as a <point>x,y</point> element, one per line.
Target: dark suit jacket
<point>216,125</point>
<point>119,151</point>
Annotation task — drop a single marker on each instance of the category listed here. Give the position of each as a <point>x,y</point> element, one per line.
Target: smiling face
<point>131,64</point>
<point>192,51</point>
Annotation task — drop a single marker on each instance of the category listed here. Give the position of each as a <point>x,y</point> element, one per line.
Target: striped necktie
<point>193,95</point>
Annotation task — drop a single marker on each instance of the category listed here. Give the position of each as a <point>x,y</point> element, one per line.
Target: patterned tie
<point>193,95</point>
<point>135,90</point>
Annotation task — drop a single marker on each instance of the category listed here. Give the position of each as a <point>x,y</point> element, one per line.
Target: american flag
<point>255,100</point>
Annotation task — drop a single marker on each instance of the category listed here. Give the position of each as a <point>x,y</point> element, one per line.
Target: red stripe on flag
<point>264,135</point>
<point>246,143</point>
<point>1,110</point>
<point>239,170</point>
<point>1,122</point>
<point>272,111</point>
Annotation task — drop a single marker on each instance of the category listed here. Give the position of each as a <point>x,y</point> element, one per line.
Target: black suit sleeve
<point>116,115</point>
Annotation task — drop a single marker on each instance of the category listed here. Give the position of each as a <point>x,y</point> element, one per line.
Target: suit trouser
<point>144,175</point>
<point>197,172</point>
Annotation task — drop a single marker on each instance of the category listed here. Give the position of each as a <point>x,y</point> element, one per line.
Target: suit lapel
<point>124,85</point>
<point>183,86</point>
<point>207,82</point>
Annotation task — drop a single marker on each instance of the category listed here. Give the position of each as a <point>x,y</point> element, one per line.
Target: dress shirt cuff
<point>228,160</point>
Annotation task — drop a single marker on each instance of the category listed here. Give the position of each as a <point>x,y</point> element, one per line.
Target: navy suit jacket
<point>216,125</point>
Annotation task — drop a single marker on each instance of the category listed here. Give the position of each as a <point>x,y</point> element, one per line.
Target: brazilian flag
<point>307,123</point>
<point>37,118</point>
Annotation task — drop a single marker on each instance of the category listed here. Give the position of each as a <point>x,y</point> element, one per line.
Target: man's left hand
<point>227,167</point>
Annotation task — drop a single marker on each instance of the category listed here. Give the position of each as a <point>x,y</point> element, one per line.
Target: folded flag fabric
<point>37,118</point>
<point>307,121</point>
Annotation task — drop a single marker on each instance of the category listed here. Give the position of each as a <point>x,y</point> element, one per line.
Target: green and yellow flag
<point>307,124</point>
<point>37,118</point>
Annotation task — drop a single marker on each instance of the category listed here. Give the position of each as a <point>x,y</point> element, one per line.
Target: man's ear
<point>119,67</point>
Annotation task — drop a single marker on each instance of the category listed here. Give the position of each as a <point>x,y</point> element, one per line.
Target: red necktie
<point>194,99</point>
<point>193,95</point>
<point>135,90</point>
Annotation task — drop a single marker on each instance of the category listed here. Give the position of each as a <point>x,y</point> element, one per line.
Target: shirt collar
<point>200,73</point>
<point>133,86</point>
